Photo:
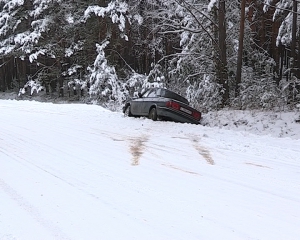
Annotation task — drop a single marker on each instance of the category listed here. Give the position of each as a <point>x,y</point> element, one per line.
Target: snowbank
<point>272,123</point>
<point>276,124</point>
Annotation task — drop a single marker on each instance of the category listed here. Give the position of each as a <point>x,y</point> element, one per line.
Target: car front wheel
<point>153,114</point>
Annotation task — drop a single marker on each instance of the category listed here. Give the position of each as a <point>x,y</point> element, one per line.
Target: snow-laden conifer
<point>104,82</point>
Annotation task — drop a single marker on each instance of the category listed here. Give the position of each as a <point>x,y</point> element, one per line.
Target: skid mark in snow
<point>256,165</point>
<point>32,211</point>
<point>113,136</point>
<point>203,151</point>
<point>180,169</point>
<point>117,140</point>
<point>180,137</point>
<point>137,147</point>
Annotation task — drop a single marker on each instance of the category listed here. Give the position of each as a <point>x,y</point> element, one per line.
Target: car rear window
<point>169,94</point>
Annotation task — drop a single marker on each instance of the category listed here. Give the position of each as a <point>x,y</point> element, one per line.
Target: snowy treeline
<point>107,50</point>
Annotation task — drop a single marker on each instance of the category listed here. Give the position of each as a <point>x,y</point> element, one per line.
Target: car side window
<point>145,94</point>
<point>162,92</point>
<point>152,93</point>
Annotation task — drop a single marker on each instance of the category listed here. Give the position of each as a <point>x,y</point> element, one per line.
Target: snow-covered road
<point>83,172</point>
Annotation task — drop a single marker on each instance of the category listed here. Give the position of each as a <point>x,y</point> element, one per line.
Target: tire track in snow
<point>137,143</point>
<point>32,211</point>
<point>203,151</point>
<point>159,149</point>
<point>137,147</point>
<point>180,169</point>
<point>18,155</point>
<point>257,165</point>
<point>12,153</point>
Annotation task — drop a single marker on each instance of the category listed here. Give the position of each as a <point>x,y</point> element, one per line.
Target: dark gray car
<point>160,103</point>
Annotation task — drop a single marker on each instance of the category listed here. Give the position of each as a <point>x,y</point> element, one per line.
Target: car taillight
<point>196,115</point>
<point>173,105</point>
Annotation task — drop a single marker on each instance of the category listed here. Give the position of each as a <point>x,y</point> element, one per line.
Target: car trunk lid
<point>184,108</point>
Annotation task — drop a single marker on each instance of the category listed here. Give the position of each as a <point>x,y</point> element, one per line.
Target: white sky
<point>82,172</point>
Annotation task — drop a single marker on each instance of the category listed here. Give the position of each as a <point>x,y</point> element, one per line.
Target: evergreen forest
<point>237,53</point>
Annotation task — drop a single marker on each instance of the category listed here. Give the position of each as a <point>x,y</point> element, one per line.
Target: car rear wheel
<point>127,112</point>
<point>153,114</point>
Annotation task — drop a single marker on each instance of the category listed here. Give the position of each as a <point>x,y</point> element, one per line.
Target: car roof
<point>170,94</point>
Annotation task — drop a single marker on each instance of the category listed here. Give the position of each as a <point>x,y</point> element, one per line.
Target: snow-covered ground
<point>82,172</point>
<point>272,123</point>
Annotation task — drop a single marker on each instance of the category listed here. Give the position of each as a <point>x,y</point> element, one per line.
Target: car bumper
<point>175,115</point>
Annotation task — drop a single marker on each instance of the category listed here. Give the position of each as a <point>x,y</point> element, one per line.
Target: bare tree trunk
<point>240,50</point>
<point>293,63</point>
<point>294,31</point>
<point>223,73</point>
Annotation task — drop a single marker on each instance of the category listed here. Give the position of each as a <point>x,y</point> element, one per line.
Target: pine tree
<point>104,83</point>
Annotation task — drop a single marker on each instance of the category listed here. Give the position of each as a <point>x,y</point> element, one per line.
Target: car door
<point>148,101</point>
<point>136,106</point>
